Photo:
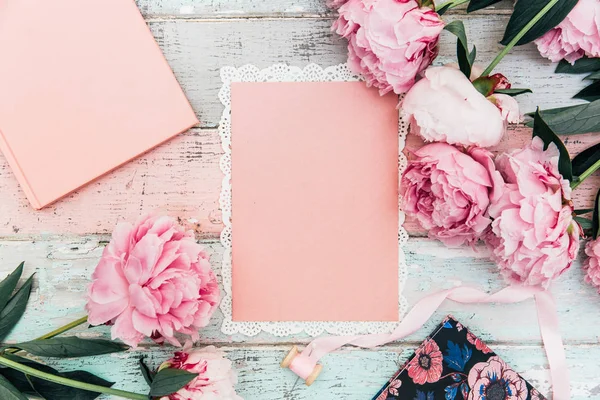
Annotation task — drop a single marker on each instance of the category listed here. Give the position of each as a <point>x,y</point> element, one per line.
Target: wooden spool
<point>287,361</point>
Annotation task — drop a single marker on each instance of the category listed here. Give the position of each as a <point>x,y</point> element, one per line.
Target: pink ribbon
<point>306,361</point>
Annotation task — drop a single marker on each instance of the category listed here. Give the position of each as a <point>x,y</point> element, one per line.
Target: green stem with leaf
<point>519,36</point>
<point>63,329</point>
<point>585,174</point>
<point>451,4</point>
<point>69,382</point>
<point>57,332</point>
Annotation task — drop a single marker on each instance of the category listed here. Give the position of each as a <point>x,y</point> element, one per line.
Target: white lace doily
<point>284,73</point>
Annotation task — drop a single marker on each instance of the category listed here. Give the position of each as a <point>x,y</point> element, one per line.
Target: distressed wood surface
<point>63,268</point>
<point>63,242</point>
<point>245,8</point>
<point>349,374</point>
<point>181,177</point>
<point>197,49</point>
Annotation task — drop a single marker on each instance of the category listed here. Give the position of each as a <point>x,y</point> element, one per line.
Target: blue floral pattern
<point>471,371</point>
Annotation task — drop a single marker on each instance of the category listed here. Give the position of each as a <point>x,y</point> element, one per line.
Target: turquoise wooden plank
<point>349,374</point>
<point>63,267</point>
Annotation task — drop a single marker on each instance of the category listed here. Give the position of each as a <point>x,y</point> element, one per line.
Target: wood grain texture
<point>181,177</point>
<point>349,374</point>
<point>63,267</point>
<point>196,50</point>
<point>245,8</point>
<point>63,242</point>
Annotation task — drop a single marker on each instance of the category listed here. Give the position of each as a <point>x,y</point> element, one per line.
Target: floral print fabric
<point>454,364</point>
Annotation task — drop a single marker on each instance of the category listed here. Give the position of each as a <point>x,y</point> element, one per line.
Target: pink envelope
<point>84,88</point>
<point>315,202</point>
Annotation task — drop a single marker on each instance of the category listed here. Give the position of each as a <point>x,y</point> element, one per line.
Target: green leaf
<point>525,11</point>
<point>596,217</point>
<point>8,285</point>
<point>585,159</point>
<point>543,131</point>
<point>585,223</point>
<point>581,118</point>
<point>589,93</point>
<point>8,391</point>
<point>12,313</point>
<point>465,58</point>
<point>169,380</point>
<point>581,66</point>
<point>444,8</point>
<point>512,92</point>
<point>594,76</point>
<point>64,347</point>
<point>146,372</point>
<point>583,211</point>
<point>82,376</point>
<point>49,390</point>
<point>475,5</point>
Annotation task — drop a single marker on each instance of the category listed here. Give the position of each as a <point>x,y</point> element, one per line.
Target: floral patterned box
<point>454,364</point>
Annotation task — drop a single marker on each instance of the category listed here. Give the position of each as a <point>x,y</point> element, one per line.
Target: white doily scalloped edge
<point>285,73</point>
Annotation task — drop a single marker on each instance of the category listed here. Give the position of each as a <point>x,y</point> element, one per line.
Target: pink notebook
<point>314,202</point>
<point>84,89</point>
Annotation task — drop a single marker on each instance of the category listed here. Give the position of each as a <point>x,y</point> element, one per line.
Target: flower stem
<point>586,174</point>
<point>65,328</point>
<point>56,332</point>
<point>519,36</point>
<point>70,382</point>
<point>452,373</point>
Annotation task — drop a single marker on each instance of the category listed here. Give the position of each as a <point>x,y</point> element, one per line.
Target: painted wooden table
<point>63,242</point>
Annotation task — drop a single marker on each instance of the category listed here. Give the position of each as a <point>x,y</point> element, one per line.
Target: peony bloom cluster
<point>576,36</point>
<point>444,106</point>
<point>215,380</point>
<point>153,280</point>
<point>592,263</point>
<point>449,191</point>
<point>534,238</point>
<point>390,41</point>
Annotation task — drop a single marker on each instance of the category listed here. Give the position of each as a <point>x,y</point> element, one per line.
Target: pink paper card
<point>314,202</point>
<point>84,88</point>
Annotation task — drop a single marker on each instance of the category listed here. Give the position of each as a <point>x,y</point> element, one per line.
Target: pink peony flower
<point>449,190</point>
<point>495,380</point>
<point>390,41</point>
<point>216,379</point>
<point>577,35</point>
<point>508,106</point>
<point>426,366</point>
<point>534,238</point>
<point>444,106</point>
<point>592,263</point>
<point>335,4</point>
<point>153,280</point>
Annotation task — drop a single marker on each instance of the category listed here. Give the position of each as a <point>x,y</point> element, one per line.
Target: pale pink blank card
<point>314,202</point>
<point>84,88</point>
